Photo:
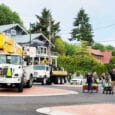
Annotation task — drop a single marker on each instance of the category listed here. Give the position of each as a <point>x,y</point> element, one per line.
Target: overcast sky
<point>100,12</point>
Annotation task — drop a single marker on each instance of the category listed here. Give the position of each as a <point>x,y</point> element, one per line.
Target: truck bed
<point>59,73</point>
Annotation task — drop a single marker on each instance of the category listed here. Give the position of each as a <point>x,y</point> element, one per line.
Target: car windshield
<point>39,67</point>
<point>10,59</point>
<point>78,77</point>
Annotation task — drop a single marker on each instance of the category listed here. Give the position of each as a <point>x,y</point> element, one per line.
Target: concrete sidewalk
<point>91,109</point>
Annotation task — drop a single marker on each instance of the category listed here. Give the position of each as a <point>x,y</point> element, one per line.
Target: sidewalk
<point>91,109</point>
<point>35,91</point>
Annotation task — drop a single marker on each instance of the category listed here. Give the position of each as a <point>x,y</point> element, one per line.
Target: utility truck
<point>42,71</point>
<point>49,74</point>
<point>12,72</point>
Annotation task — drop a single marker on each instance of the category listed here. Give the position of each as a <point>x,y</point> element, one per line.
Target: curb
<point>50,111</point>
<point>31,95</point>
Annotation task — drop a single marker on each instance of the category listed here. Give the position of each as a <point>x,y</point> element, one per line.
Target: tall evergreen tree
<point>46,24</point>
<point>82,29</point>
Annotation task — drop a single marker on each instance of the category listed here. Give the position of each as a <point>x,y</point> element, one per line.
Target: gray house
<point>38,40</point>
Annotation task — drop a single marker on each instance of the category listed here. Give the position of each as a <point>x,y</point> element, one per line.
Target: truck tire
<point>49,81</point>
<point>44,81</point>
<point>58,80</point>
<point>30,82</point>
<point>20,87</point>
<point>62,80</point>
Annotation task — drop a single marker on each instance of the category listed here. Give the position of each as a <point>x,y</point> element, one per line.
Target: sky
<point>100,12</point>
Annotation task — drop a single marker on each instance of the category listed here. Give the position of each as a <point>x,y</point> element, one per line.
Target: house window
<point>42,50</point>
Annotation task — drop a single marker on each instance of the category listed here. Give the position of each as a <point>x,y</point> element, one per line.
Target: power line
<point>104,27</point>
<point>106,41</point>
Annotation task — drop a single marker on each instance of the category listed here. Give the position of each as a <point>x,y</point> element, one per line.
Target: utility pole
<point>49,45</point>
<point>30,34</point>
<point>31,25</point>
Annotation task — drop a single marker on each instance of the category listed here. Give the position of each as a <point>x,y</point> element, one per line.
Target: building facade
<point>35,45</point>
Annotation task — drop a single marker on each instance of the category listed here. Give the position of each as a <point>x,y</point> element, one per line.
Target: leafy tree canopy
<point>7,16</point>
<point>70,49</point>
<point>98,46</point>
<point>59,45</point>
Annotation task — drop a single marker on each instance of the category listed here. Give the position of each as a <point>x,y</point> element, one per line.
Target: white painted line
<point>50,111</point>
<point>31,95</point>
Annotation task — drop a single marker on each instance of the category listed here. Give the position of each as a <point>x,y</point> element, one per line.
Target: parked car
<point>78,80</point>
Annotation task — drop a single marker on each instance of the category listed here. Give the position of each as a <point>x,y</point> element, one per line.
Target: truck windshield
<point>10,59</point>
<point>2,59</point>
<point>39,67</point>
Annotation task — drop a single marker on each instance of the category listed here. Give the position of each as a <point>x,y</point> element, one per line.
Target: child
<point>107,84</point>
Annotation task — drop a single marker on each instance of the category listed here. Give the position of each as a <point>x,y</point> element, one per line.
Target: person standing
<point>102,79</point>
<point>95,77</point>
<point>89,81</point>
<point>112,75</point>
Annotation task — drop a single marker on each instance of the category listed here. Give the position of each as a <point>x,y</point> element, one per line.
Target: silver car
<point>78,80</point>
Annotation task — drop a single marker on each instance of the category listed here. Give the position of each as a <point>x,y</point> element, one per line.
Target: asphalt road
<point>28,105</point>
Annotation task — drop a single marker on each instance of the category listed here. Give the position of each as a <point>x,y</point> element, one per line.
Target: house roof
<point>96,52</point>
<point>39,39</point>
<point>25,38</point>
<point>4,28</point>
<point>106,56</point>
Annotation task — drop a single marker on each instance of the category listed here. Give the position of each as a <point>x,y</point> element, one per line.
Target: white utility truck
<point>47,74</point>
<point>12,73</point>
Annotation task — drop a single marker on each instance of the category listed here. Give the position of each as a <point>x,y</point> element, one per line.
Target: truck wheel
<point>20,87</point>
<point>62,81</point>
<point>58,81</point>
<point>44,81</point>
<point>29,83</point>
<point>49,81</point>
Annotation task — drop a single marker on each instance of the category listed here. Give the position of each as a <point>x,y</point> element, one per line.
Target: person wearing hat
<point>112,75</point>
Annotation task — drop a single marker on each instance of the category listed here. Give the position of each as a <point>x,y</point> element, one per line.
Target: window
<point>47,68</point>
<point>42,50</point>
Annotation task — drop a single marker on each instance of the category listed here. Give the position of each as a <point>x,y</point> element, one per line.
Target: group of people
<point>107,78</point>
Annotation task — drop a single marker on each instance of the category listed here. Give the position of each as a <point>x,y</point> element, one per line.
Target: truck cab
<point>11,65</point>
<point>41,73</point>
<point>14,63</point>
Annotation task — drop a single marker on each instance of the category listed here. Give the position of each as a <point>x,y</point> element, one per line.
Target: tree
<point>59,45</point>
<point>7,16</point>
<point>70,49</point>
<point>110,48</point>
<point>99,46</point>
<point>111,64</point>
<point>46,24</point>
<point>82,29</point>
<point>68,62</point>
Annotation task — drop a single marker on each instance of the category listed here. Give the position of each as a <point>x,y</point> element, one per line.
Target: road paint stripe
<point>50,111</point>
<point>31,95</point>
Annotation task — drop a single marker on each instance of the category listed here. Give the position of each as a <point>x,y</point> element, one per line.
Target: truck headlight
<point>35,73</point>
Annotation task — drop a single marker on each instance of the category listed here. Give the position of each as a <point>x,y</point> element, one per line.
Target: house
<point>36,45</point>
<point>13,29</point>
<point>103,57</point>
